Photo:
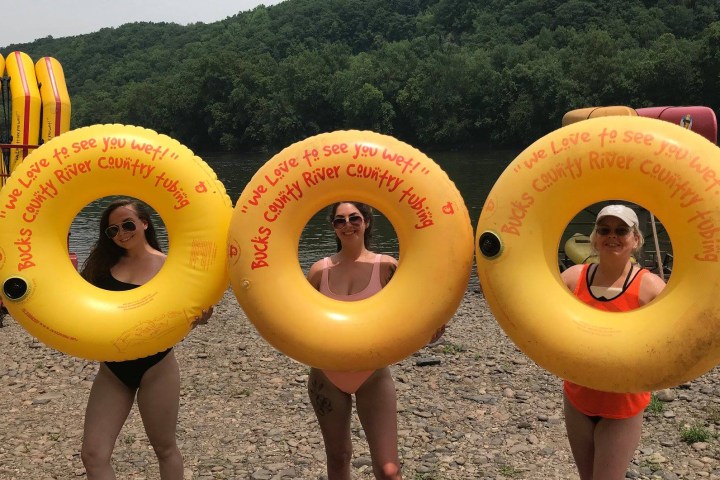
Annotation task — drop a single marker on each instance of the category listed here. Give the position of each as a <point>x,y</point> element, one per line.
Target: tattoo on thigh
<point>320,402</point>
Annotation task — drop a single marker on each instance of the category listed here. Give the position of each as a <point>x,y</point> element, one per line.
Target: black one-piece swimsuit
<point>129,372</point>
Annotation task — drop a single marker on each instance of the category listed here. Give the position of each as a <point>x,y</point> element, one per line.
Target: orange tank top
<point>595,402</point>
<point>349,382</point>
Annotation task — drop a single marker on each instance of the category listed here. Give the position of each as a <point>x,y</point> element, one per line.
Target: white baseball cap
<point>622,212</point>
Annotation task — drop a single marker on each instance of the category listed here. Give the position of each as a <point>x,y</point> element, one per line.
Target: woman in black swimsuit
<point>127,255</point>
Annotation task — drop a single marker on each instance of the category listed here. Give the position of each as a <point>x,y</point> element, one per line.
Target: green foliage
<point>508,471</point>
<point>452,348</point>
<point>435,73</point>
<point>656,405</point>
<point>695,433</point>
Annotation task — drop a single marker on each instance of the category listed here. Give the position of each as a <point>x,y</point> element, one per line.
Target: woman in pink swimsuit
<point>355,273</point>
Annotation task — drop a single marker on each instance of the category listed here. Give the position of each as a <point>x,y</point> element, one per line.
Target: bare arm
<point>388,265</point>
<point>650,288</point>
<point>203,318</point>
<point>571,276</point>
<point>438,333</point>
<point>315,274</point>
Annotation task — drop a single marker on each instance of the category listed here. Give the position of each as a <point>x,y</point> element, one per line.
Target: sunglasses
<point>355,221</point>
<point>113,230</point>
<point>620,231</point>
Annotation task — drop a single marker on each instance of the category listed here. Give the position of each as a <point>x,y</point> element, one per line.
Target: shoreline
<point>486,411</point>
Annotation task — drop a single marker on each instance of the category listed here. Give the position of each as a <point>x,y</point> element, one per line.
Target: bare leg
<point>615,444</point>
<point>377,409</point>
<point>159,403</point>
<point>332,407</point>
<point>107,409</point>
<point>604,450</point>
<point>580,429</point>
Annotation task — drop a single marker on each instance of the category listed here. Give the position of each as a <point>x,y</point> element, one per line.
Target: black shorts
<point>595,418</point>
<point>130,372</point>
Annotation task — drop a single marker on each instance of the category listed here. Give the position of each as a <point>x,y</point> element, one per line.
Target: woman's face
<point>119,222</point>
<point>349,223</point>
<point>614,237</point>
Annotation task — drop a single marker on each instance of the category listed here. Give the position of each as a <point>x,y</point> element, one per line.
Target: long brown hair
<point>106,253</point>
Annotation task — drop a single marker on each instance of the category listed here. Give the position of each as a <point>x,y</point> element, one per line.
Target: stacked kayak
<point>36,97</point>
<point>699,119</point>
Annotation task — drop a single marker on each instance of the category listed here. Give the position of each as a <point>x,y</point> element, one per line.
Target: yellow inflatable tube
<point>55,98</point>
<point>40,286</point>
<point>674,173</point>
<point>25,106</point>
<point>429,217</point>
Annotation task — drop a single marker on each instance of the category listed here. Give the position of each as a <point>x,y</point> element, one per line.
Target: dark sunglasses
<point>113,230</point>
<point>355,221</point>
<point>620,231</point>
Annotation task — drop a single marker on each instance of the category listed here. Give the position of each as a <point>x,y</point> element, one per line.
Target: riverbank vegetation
<point>435,73</point>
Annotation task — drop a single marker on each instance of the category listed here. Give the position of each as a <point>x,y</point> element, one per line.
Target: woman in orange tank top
<point>355,273</point>
<point>604,427</point>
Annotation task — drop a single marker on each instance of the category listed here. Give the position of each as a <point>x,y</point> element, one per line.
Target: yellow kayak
<point>580,114</point>
<point>25,106</point>
<point>55,99</point>
<point>579,250</point>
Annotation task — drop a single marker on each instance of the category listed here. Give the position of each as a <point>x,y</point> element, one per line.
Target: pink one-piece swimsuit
<point>349,382</point>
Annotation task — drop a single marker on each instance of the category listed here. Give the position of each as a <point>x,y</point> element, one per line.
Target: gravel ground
<point>470,407</point>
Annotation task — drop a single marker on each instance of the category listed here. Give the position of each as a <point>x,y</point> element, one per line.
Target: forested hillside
<point>435,73</point>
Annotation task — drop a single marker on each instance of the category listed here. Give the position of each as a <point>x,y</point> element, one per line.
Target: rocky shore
<point>470,407</point>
